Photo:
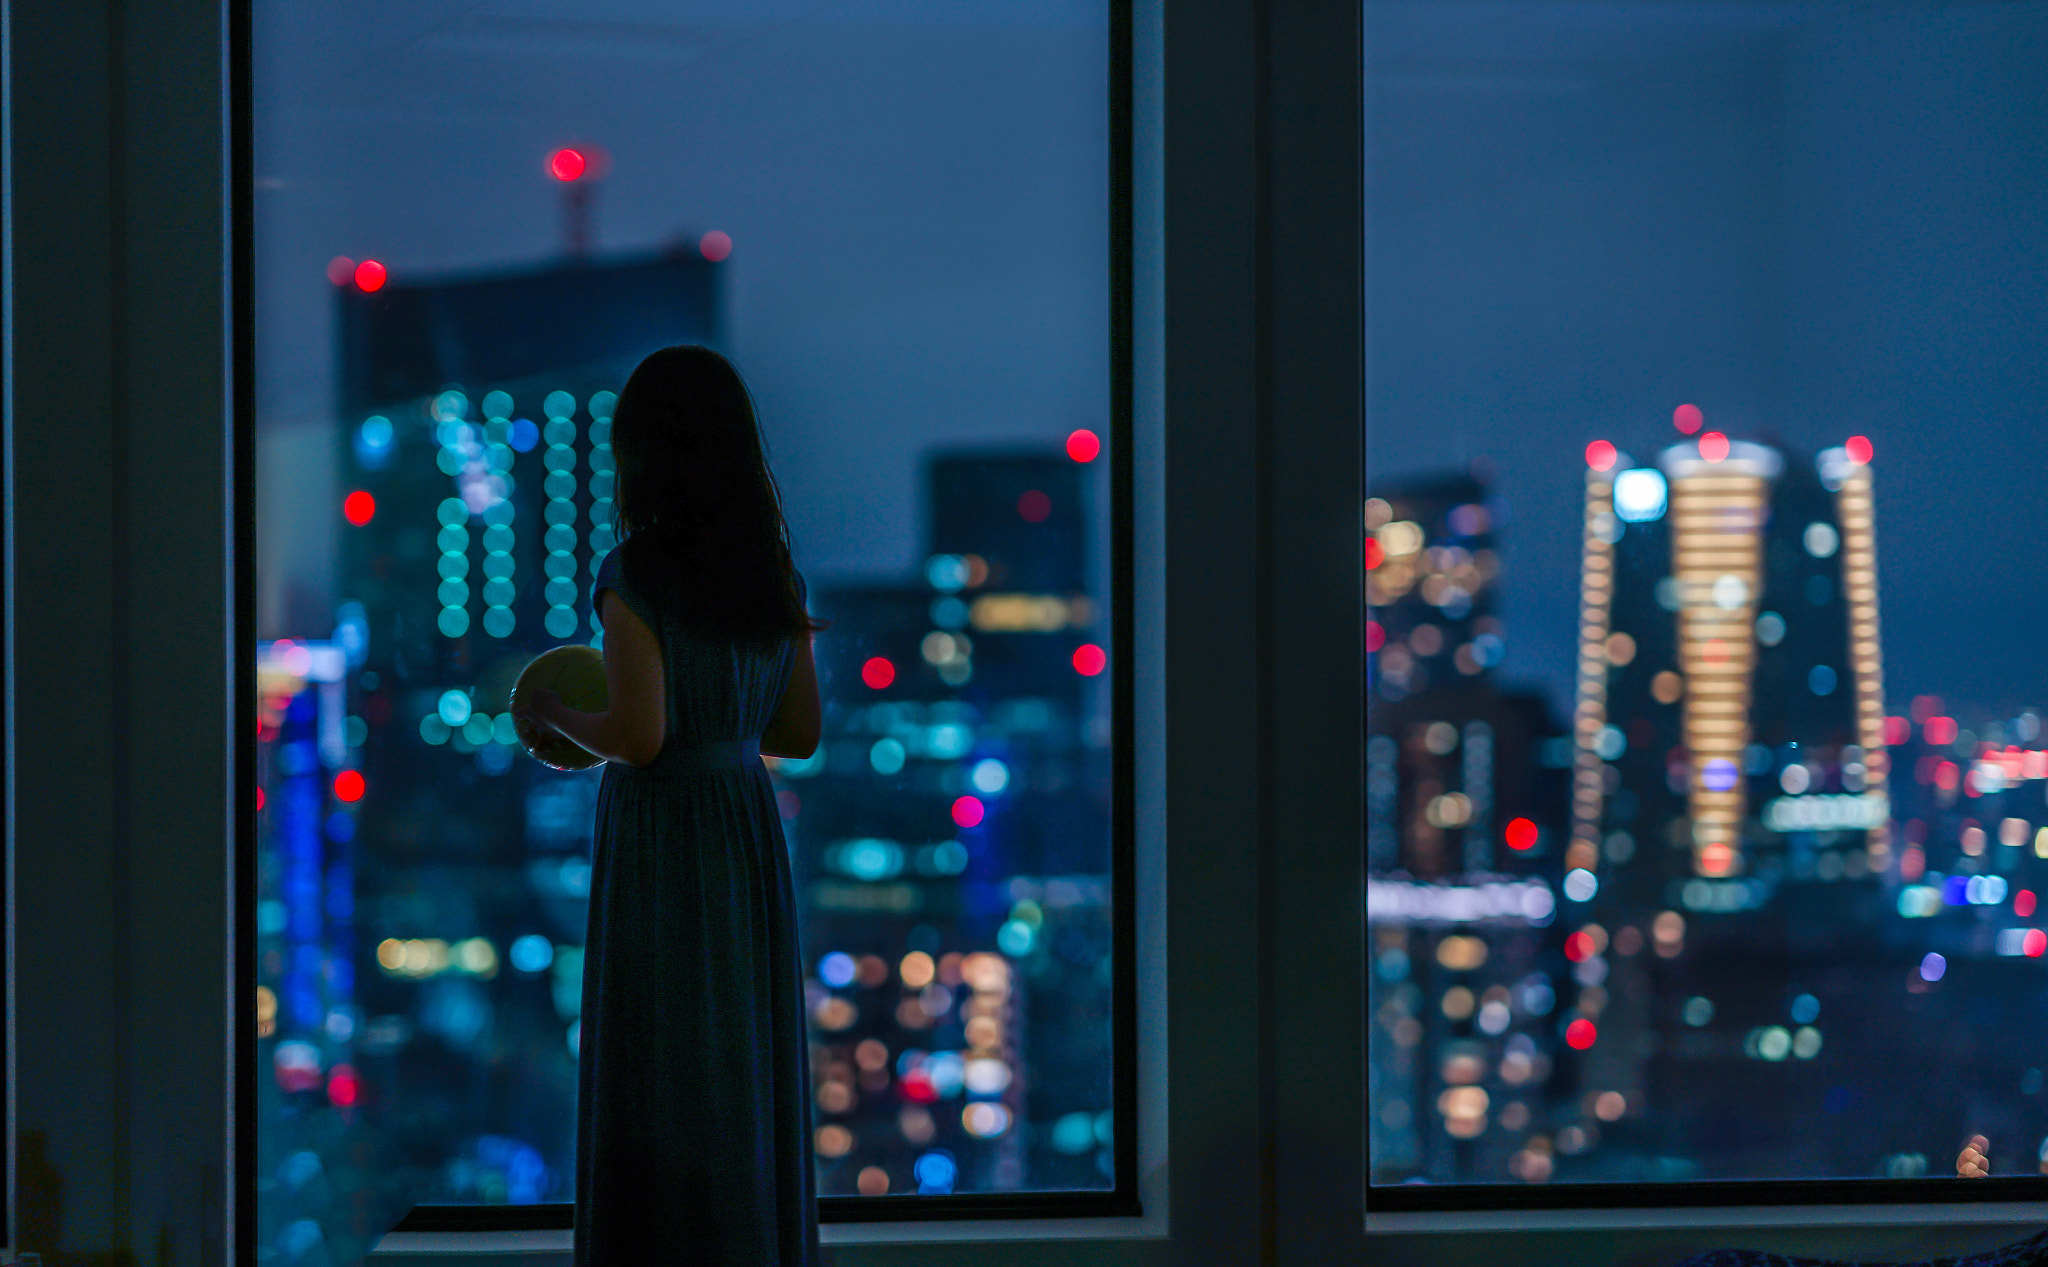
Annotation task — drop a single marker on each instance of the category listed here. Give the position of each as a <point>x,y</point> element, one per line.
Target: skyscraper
<point>951,844</point>
<point>1464,806</point>
<point>1729,742</point>
<point>1730,679</point>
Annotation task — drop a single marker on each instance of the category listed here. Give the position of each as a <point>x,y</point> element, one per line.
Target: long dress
<point>693,1137</point>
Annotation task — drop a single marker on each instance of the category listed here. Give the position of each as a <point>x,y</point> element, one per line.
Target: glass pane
<point>1706,761</point>
<point>473,222</point>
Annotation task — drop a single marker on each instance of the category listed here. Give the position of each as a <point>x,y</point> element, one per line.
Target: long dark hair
<point>695,497</point>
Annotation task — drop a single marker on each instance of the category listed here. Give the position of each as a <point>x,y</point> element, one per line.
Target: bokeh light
<point>567,165</point>
<point>358,507</point>
<point>1714,446</point>
<point>1600,455</point>
<point>1688,419</point>
<point>1083,445</point>
<point>715,246</point>
<point>370,275</point>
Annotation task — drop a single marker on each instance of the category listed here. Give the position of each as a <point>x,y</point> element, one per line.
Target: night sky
<point>1801,218</point>
<point>917,196</point>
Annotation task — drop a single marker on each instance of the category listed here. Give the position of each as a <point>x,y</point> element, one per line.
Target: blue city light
<point>454,708</point>
<point>374,442</point>
<point>871,859</point>
<point>532,953</point>
<point>524,435</point>
<point>1074,1133</point>
<point>836,969</point>
<point>935,1172</point>
<point>946,571</point>
<point>449,406</point>
<point>1719,775</point>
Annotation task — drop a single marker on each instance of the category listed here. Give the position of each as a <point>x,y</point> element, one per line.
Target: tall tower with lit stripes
<point>1730,697</point>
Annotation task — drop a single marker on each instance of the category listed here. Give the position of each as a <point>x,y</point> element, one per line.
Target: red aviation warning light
<point>566,165</point>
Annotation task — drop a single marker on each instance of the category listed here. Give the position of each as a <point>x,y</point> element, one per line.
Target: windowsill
<point>562,1241</point>
<point>1407,1222</point>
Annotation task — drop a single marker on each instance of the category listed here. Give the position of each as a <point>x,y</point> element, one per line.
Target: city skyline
<point>1598,994</point>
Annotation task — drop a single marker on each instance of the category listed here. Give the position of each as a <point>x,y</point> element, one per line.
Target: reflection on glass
<point>1705,768</point>
<point>898,226</point>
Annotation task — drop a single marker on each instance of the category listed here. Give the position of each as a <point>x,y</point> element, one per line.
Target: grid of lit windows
<point>602,482</point>
<point>498,536</point>
<point>560,486</point>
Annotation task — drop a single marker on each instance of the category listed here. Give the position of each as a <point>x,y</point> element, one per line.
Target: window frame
<point>1880,1217</point>
<point>133,1075</point>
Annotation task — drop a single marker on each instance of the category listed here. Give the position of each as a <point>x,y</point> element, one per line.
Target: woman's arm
<point>634,725</point>
<point>794,730</point>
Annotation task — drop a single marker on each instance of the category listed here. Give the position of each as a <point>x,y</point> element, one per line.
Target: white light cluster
<point>1827,812</point>
<point>1508,902</point>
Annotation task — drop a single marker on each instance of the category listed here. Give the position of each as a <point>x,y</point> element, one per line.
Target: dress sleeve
<point>611,575</point>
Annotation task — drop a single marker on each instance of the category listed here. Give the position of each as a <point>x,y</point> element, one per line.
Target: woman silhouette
<point>693,1095</point>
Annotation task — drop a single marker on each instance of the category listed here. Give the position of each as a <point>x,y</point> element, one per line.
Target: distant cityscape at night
<point>1738,913</point>
<point>425,884</point>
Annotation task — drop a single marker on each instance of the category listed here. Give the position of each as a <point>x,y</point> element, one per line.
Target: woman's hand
<point>534,716</point>
<point>1974,1162</point>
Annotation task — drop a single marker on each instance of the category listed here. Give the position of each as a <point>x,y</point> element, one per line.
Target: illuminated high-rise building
<point>1465,805</point>
<point>1730,688</point>
<point>476,450</point>
<point>1729,811</point>
<point>950,842</point>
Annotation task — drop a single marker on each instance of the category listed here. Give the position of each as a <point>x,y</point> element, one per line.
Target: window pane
<point>473,221</point>
<point>1706,761</point>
